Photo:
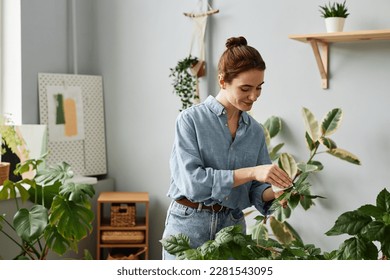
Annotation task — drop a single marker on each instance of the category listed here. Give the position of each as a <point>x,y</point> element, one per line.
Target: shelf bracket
<point>321,54</point>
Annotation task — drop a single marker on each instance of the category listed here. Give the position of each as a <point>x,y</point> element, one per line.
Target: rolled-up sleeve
<point>190,176</point>
<point>256,197</point>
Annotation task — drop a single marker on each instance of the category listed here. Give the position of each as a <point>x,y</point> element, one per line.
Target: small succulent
<point>334,10</point>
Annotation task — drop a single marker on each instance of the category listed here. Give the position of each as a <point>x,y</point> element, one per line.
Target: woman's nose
<point>254,95</point>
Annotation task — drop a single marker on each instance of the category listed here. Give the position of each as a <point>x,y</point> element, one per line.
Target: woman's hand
<point>272,174</point>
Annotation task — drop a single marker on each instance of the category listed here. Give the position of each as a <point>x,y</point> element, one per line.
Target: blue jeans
<point>199,225</point>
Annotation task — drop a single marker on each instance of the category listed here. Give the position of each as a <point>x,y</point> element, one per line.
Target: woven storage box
<point>4,171</point>
<point>126,256</point>
<point>123,215</point>
<point>123,236</point>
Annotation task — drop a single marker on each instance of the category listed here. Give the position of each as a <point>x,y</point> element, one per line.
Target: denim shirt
<point>204,156</point>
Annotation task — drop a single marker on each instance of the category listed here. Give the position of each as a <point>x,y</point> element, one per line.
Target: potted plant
<point>335,15</point>
<point>185,79</point>
<point>60,215</point>
<point>13,146</point>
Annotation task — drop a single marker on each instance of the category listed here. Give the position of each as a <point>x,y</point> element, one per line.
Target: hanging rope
<point>200,23</point>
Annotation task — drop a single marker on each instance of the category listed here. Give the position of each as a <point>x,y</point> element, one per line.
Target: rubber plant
<point>185,81</point>
<point>231,243</point>
<point>60,215</point>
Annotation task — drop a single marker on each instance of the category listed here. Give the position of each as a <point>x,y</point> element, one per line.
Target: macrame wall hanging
<point>188,71</point>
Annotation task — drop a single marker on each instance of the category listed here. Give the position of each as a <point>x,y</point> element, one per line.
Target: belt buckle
<point>212,208</point>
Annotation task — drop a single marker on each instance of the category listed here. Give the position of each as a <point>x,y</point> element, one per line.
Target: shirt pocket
<point>243,158</point>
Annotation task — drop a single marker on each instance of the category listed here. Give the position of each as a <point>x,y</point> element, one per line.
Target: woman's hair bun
<point>236,42</point>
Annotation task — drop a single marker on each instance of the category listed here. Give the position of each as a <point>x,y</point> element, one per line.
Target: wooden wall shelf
<point>320,44</point>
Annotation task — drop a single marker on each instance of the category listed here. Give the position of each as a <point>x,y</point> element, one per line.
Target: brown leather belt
<point>214,208</point>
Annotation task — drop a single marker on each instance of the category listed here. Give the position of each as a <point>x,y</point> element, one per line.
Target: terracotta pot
<point>4,171</point>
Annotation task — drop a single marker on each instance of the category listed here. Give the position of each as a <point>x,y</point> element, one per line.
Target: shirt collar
<point>218,109</point>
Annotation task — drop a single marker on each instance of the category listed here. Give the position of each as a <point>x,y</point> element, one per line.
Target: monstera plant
<point>287,244</point>
<point>60,215</point>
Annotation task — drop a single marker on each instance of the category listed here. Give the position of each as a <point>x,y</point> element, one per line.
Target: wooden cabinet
<point>104,226</point>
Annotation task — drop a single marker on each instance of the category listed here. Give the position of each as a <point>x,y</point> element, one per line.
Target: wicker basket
<point>136,236</point>
<point>123,215</point>
<point>4,171</point>
<point>126,256</point>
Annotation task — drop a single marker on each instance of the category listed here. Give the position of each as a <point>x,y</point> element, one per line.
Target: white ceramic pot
<point>334,24</point>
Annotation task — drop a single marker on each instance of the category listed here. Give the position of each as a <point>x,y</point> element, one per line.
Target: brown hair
<point>237,58</point>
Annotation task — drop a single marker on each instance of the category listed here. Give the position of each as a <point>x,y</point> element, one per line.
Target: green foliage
<point>366,225</point>
<point>184,83</point>
<point>61,214</point>
<point>10,137</point>
<point>317,141</point>
<point>231,243</point>
<point>334,10</point>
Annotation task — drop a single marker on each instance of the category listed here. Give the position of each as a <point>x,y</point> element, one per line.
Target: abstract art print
<point>65,113</point>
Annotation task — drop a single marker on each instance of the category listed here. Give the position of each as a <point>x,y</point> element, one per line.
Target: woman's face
<point>244,90</point>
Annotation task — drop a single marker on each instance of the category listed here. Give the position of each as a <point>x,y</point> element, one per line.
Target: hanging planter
<point>185,79</point>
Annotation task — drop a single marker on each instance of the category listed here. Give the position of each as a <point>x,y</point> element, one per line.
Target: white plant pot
<point>334,24</point>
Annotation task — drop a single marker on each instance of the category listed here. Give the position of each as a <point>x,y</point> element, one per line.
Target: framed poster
<point>72,108</point>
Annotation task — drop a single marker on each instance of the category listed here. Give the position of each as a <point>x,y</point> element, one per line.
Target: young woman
<point>219,162</point>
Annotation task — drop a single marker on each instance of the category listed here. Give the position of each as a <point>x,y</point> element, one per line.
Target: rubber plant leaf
<point>331,121</point>
<point>311,124</point>
<point>274,125</point>
<point>344,155</point>
<point>288,164</point>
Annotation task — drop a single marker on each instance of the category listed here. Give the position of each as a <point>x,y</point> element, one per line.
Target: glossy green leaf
<point>274,125</point>
<point>344,155</point>
<point>318,164</point>
<point>307,168</point>
<point>331,122</point>
<point>288,164</point>
<point>273,154</point>
<point>281,232</point>
<point>50,175</point>
<point>267,138</point>
<point>12,190</point>
<point>176,243</point>
<point>383,201</point>
<point>79,193</point>
<point>374,231</point>
<point>56,241</point>
<point>306,202</point>
<point>30,224</point>
<point>294,201</point>
<point>371,210</point>
<point>350,222</point>
<point>357,249</point>
<point>311,124</point>
<point>327,142</point>
<point>309,142</point>
<point>73,221</point>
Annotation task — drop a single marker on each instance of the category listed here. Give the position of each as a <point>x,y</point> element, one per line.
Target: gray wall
<point>132,44</point>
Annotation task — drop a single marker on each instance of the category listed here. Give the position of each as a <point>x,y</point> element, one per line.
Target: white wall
<point>134,43</point>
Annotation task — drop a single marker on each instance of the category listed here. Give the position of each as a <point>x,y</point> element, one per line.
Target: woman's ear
<point>221,81</point>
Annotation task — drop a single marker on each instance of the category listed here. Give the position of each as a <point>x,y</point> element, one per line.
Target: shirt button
<point>226,124</point>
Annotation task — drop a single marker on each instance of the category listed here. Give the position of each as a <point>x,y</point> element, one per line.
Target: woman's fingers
<point>278,177</point>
